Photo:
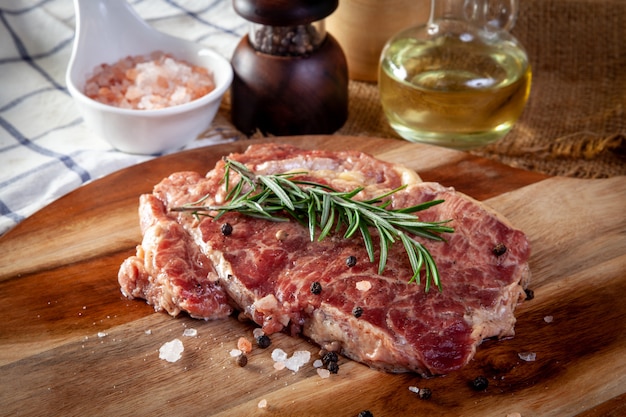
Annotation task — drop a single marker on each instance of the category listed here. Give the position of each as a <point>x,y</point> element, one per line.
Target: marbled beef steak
<point>266,269</point>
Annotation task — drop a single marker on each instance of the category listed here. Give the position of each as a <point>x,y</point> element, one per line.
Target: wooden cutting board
<point>71,344</point>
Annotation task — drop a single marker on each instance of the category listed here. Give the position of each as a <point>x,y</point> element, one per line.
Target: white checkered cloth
<point>46,150</point>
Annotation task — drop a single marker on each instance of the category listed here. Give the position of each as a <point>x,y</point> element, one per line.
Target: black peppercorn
<point>365,413</point>
<point>425,393</point>
<point>332,367</point>
<point>316,288</point>
<point>330,357</point>
<point>298,40</point>
<point>263,341</point>
<point>242,360</point>
<point>357,311</point>
<point>480,383</point>
<point>351,261</point>
<point>530,294</point>
<point>227,229</point>
<point>499,249</point>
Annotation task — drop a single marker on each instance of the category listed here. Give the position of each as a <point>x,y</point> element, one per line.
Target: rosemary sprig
<point>320,207</point>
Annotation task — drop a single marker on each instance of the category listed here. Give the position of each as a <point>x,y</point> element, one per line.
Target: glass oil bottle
<point>459,81</point>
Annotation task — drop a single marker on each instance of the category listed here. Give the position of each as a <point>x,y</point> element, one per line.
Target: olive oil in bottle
<point>453,85</point>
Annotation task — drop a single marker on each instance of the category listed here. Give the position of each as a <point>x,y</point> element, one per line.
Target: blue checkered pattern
<point>46,150</point>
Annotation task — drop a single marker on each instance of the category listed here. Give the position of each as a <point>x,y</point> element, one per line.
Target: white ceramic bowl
<point>109,30</point>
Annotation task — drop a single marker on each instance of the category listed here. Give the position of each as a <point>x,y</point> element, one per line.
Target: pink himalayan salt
<point>244,345</point>
<point>147,83</point>
<point>363,285</point>
<point>323,373</point>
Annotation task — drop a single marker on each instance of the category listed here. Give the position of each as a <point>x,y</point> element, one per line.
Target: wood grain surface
<point>71,344</point>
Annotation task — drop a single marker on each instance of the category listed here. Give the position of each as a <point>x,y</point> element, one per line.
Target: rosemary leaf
<point>326,213</point>
<point>381,197</point>
<point>312,221</point>
<point>415,257</point>
<point>419,207</point>
<point>384,250</point>
<point>326,226</point>
<point>278,190</point>
<point>353,220</point>
<point>367,240</point>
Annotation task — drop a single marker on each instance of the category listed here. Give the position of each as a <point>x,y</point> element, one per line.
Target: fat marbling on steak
<point>266,269</point>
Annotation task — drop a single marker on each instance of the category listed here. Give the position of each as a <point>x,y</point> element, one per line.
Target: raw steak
<point>169,270</point>
<point>267,268</point>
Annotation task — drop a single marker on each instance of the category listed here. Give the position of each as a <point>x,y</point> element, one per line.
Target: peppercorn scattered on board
<point>71,343</point>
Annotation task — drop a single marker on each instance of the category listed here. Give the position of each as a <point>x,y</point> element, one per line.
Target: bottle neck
<point>496,14</point>
<point>446,10</point>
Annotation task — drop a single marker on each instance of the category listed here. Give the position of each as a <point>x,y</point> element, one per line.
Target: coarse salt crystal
<point>235,352</point>
<point>414,389</point>
<point>180,96</point>
<point>148,331</point>
<point>548,319</point>
<point>318,363</point>
<point>323,373</point>
<point>102,334</point>
<point>141,82</point>
<point>279,355</point>
<point>363,285</point>
<point>171,351</point>
<point>244,345</point>
<point>527,356</point>
<point>297,360</point>
<point>262,403</point>
<point>257,332</point>
<point>293,363</point>
<point>190,333</point>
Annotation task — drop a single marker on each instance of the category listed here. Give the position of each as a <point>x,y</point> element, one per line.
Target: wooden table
<point>71,344</point>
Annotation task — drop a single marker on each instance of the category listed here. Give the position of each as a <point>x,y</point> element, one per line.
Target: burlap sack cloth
<point>575,120</point>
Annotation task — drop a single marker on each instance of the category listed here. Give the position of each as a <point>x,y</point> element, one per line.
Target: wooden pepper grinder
<point>290,76</point>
